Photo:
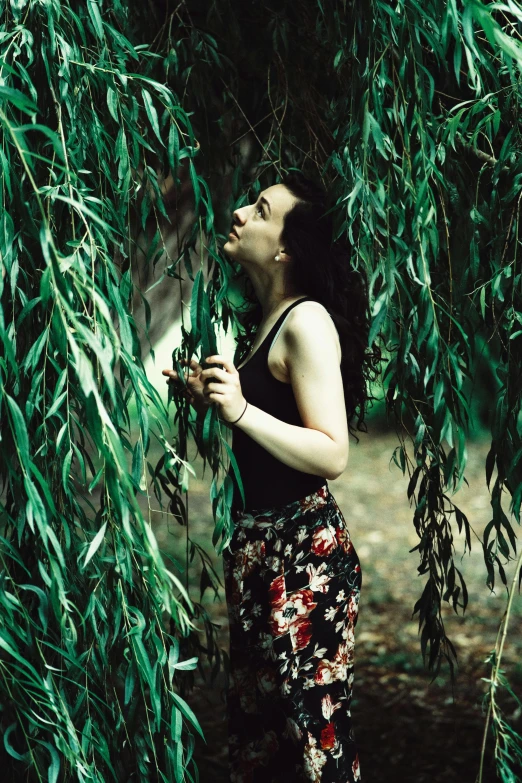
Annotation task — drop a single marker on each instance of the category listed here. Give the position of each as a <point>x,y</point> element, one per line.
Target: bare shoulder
<point>312,322</point>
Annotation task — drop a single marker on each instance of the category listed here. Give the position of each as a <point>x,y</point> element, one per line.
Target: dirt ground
<point>408,729</point>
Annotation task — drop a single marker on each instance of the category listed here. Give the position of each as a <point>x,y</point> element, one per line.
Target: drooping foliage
<point>409,113</point>
<point>91,612</point>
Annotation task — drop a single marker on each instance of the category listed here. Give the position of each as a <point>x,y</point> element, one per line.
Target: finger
<point>227,364</point>
<point>193,364</point>
<point>192,368</point>
<point>213,393</point>
<point>213,372</point>
<point>215,397</point>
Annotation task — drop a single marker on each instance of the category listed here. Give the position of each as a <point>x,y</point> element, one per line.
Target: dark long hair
<point>322,269</point>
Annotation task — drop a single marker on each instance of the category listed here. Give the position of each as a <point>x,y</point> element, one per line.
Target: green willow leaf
<point>237,473</point>
<point>189,664</point>
<point>196,307</point>
<point>18,99</point>
<point>86,212</point>
<point>173,148</point>
<point>9,748</point>
<point>152,114</point>
<point>112,103</point>
<point>20,430</point>
<point>56,405</point>
<point>95,544</point>
<point>97,21</point>
<point>195,186</point>
<point>66,469</point>
<point>188,713</point>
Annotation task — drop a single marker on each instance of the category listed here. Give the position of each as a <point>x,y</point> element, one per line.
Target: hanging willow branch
<point>92,615</point>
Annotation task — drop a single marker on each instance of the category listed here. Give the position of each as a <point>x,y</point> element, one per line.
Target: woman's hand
<point>194,388</point>
<point>226,392</point>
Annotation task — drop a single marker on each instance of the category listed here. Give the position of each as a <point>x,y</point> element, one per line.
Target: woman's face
<point>257,228</point>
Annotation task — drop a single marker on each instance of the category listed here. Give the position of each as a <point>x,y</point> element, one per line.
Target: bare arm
<point>301,448</point>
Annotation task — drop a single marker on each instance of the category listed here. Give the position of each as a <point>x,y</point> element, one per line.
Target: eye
<point>260,209</point>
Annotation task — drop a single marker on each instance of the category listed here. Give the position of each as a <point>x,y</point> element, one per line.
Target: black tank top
<point>268,482</point>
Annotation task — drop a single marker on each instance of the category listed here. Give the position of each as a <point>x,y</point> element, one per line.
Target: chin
<point>227,248</point>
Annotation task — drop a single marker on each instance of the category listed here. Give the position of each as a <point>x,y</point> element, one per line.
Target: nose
<point>239,215</point>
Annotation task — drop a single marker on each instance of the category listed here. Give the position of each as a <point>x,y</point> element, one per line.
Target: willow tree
<point>110,114</point>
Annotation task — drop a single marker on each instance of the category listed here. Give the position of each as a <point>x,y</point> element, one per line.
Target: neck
<point>271,294</point>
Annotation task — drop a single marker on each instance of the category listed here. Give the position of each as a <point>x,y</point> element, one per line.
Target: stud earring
<point>278,258</point>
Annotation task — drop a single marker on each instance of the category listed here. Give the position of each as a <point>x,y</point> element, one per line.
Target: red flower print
<point>343,539</point>
<point>303,601</point>
<point>278,600</point>
<point>328,707</point>
<point>314,760</point>
<point>323,541</point>
<point>318,578</point>
<point>353,606</point>
<point>277,590</point>
<point>328,736</point>
<point>277,620</point>
<point>341,660</point>
<point>301,632</point>
<point>348,635</point>
<point>356,768</point>
<point>324,672</point>
<point>290,611</point>
<point>315,501</point>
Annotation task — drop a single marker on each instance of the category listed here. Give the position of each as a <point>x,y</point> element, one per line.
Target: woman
<point>292,575</point>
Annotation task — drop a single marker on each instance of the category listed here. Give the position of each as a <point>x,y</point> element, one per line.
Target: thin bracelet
<point>235,422</point>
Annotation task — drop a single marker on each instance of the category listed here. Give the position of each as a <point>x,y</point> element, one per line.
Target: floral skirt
<point>292,581</point>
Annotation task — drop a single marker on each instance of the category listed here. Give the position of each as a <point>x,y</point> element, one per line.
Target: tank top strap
<point>269,339</point>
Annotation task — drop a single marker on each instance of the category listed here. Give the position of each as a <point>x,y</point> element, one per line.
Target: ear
<point>283,256</point>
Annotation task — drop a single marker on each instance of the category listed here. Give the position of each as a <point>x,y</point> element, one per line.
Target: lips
<point>233,231</point>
